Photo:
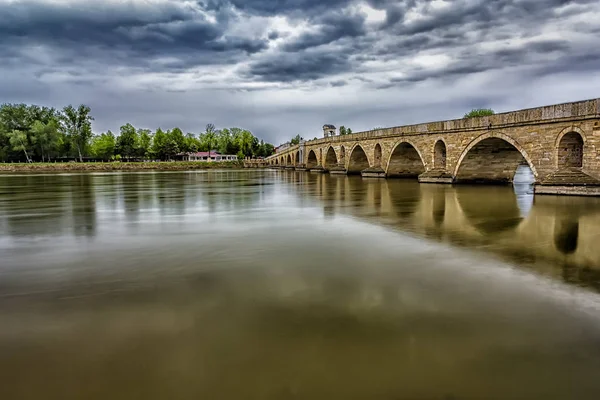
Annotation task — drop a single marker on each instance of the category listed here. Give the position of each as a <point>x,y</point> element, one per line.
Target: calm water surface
<point>288,285</point>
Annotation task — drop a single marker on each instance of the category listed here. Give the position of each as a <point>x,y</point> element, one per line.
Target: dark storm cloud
<point>139,30</point>
<point>331,27</point>
<point>304,66</point>
<point>279,7</point>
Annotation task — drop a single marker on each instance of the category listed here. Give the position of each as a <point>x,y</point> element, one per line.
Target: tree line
<point>38,133</point>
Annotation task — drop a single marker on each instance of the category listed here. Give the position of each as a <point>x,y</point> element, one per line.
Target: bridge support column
<point>318,169</point>
<point>338,170</point>
<point>301,167</point>
<point>568,181</point>
<point>436,176</point>
<point>374,172</point>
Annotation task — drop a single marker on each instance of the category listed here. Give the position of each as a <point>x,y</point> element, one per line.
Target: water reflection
<point>505,220</point>
<point>287,285</point>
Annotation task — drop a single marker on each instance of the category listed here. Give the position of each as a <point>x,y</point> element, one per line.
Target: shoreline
<point>118,166</point>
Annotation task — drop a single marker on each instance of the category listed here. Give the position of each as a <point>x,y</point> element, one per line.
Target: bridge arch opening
<point>297,156</point>
<point>358,160</point>
<point>405,162</point>
<point>330,158</point>
<point>277,161</point>
<point>377,156</point>
<point>570,151</point>
<point>439,155</point>
<point>312,160</point>
<point>289,159</point>
<point>492,159</point>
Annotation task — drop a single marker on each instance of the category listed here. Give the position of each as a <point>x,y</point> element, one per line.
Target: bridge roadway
<point>560,143</point>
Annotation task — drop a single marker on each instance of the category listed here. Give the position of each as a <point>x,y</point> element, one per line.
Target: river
<point>261,284</point>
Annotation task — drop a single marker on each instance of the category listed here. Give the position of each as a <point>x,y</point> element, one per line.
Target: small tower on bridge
<point>328,130</point>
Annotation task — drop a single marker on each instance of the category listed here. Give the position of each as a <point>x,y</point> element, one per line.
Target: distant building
<point>328,130</point>
<point>204,156</point>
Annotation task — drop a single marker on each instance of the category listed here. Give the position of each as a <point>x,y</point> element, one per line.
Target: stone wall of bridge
<point>564,137</point>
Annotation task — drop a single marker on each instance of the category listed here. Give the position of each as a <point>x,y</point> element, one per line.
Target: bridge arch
<point>439,154</point>
<point>358,160</point>
<point>312,161</point>
<point>492,157</point>
<point>330,158</point>
<point>297,158</point>
<point>405,161</point>
<point>289,159</point>
<point>377,156</point>
<point>570,147</point>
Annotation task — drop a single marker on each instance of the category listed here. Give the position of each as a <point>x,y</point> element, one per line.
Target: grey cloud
<point>140,31</point>
<point>277,7</point>
<point>304,66</point>
<point>331,27</point>
<point>338,83</point>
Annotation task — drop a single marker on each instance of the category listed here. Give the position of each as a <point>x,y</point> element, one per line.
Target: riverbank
<point>118,166</point>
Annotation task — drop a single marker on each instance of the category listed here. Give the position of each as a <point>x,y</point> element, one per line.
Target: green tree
<point>77,124</point>
<point>210,135</point>
<point>191,143</point>
<point>103,146</point>
<point>170,148</point>
<point>18,141</point>
<point>479,112</point>
<point>295,140</point>
<point>342,130</point>
<point>45,136</point>
<point>157,149</point>
<point>127,142</point>
<point>177,136</point>
<point>269,149</point>
<point>144,142</point>
<point>348,131</point>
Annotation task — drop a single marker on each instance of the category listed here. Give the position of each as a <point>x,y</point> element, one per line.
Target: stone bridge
<point>560,143</point>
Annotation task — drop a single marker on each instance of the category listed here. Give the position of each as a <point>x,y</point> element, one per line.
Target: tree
<point>479,112</point>
<point>348,131</point>
<point>157,149</point>
<point>171,148</point>
<point>269,149</point>
<point>127,142</point>
<point>295,140</point>
<point>209,136</point>
<point>144,142</point>
<point>103,146</point>
<point>77,124</point>
<point>18,141</point>
<point>176,135</point>
<point>342,130</point>
<point>191,143</point>
<point>45,135</point>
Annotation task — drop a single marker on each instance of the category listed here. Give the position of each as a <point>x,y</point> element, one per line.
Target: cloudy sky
<point>282,67</point>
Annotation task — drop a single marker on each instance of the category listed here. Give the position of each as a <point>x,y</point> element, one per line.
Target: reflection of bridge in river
<point>552,234</point>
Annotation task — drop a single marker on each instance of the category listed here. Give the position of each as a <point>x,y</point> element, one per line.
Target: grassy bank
<point>118,166</point>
